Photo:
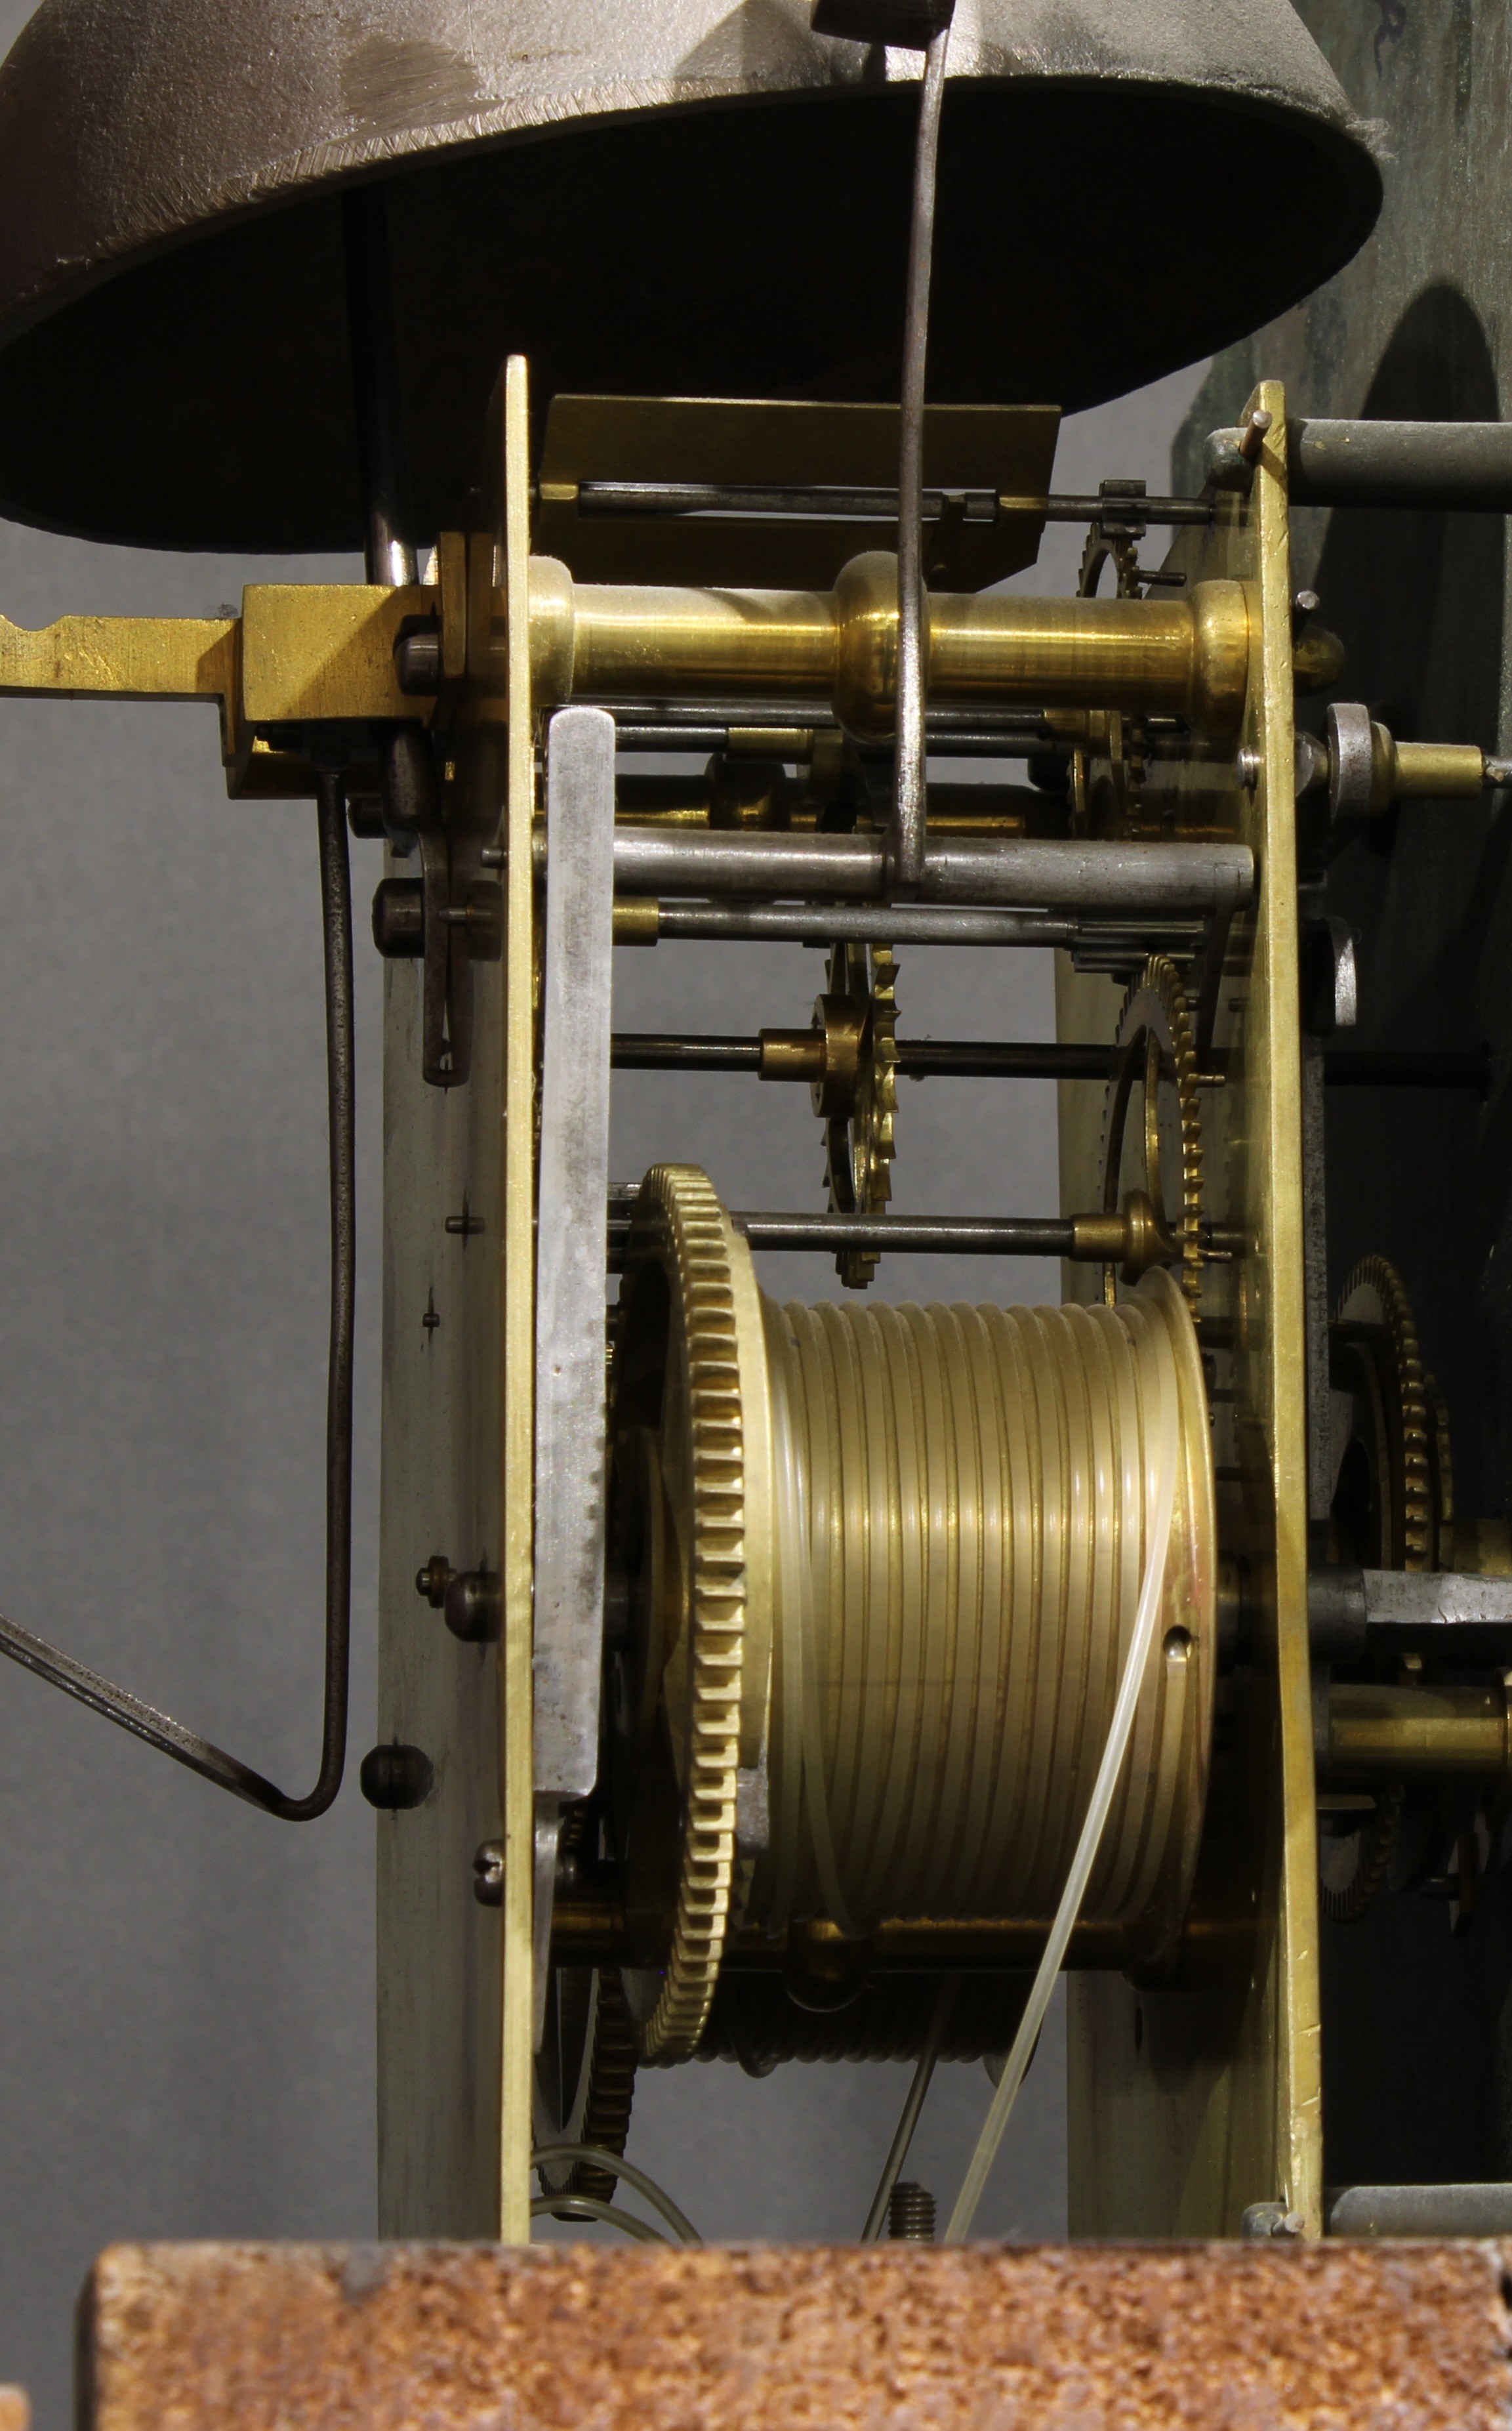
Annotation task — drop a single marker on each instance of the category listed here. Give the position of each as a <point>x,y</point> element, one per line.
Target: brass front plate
<point>1190,2100</point>
<point>437,1954</point>
<point>1006,449</point>
<point>509,451</point>
<point>455,2013</point>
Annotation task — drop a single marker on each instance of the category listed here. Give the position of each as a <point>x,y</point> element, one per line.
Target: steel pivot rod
<point>994,1059</point>
<point>988,1237</point>
<point>905,924</point>
<point>910,797</point>
<point>632,1050</point>
<point>117,1704</point>
<point>797,503</point>
<point>382,452</point>
<point>992,1237</point>
<point>1019,872</point>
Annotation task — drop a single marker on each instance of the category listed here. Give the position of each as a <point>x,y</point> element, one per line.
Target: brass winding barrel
<point>882,1572</point>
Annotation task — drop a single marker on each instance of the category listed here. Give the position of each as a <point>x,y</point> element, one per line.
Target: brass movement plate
<point>1192,2099</point>
<point>454,1978</point>
<point>510,454</point>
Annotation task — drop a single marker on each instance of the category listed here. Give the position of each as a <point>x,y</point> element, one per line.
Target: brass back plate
<point>1192,2099</point>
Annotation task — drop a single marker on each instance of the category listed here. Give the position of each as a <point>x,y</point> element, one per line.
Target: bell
<point>674,198</point>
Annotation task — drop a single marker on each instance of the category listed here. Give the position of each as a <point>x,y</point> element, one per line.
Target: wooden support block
<point>1108,2338</point>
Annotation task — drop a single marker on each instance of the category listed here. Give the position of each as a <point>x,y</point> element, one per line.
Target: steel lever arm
<point>117,1706</point>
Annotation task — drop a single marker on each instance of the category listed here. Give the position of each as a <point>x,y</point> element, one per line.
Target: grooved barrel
<point>962,1503</point>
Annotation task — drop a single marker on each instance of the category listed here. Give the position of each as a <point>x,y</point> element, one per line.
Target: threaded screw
<point>911,2213</point>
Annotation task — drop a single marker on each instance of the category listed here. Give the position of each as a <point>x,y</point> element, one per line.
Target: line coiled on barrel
<point>961,1506</point>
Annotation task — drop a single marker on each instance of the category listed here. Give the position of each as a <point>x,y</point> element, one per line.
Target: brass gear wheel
<point>1442,1475</point>
<point>691,1406</point>
<point>585,2076</point>
<point>831,1792</point>
<point>1392,1509</point>
<point>1384,1496</point>
<point>859,1132</point>
<point>1162,1154</point>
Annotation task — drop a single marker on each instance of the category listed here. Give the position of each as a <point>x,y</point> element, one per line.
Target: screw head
<point>471,1606</point>
<point>396,1777</point>
<point>434,1580</point>
<point>487,1874</point>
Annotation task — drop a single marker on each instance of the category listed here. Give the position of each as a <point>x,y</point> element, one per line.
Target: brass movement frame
<point>517,1483</point>
<point>1193,2099</point>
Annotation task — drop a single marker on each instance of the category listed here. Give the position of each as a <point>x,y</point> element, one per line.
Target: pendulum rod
<point>909,814</point>
<point>383,454</point>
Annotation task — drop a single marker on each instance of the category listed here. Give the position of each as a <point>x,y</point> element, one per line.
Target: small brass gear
<point>1161,1153</point>
<point>1116,548</point>
<point>688,1381</point>
<point>860,1133</point>
<point>1384,1497</point>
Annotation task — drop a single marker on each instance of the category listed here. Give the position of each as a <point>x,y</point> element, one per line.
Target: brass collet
<point>1186,657</point>
<point>827,1055</point>
<point>1133,1239</point>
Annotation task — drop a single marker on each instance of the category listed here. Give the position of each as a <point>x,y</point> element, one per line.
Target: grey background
<point>186,1997</point>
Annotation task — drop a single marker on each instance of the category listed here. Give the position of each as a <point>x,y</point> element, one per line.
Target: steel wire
<point>118,1705</point>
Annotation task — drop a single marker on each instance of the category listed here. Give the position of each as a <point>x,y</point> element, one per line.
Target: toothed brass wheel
<point>691,1447</point>
<point>1151,1127</point>
<point>1392,1510</point>
<point>874,1567</point>
<point>860,1114</point>
<point>585,2076</point>
<point>1384,1515</point>
<point>585,2067</point>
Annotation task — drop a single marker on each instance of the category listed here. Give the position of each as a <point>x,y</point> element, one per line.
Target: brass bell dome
<point>664,197</point>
